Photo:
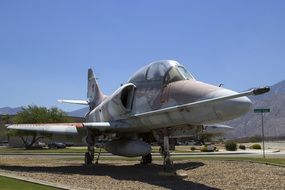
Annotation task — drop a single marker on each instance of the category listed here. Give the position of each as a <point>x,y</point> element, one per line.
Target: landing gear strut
<point>89,156</point>
<point>164,149</point>
<point>167,162</point>
<point>98,156</point>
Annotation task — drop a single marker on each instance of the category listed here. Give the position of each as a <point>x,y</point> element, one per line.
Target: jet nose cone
<point>233,108</point>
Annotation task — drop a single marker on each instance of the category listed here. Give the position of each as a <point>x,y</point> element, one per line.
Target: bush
<point>255,146</point>
<point>193,148</point>
<point>241,147</point>
<point>208,148</point>
<point>231,146</point>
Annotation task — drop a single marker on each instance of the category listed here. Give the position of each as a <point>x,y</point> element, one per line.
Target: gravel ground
<point>130,175</point>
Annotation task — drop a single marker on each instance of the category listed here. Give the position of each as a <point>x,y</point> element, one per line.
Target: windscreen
<point>185,73</point>
<point>177,73</point>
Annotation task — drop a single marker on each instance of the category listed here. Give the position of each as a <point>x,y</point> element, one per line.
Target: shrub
<point>255,146</point>
<point>241,147</point>
<point>193,148</point>
<point>231,146</point>
<point>207,148</point>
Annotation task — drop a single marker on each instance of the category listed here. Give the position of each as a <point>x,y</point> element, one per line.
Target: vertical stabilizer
<point>94,94</point>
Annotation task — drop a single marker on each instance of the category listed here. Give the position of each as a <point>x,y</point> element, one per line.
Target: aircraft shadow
<point>143,173</point>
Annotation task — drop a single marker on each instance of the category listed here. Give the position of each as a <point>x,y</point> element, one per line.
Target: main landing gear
<point>89,156</point>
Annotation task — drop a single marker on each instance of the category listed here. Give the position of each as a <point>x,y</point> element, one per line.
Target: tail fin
<point>94,94</point>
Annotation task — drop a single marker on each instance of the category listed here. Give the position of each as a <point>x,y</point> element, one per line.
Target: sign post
<point>262,111</point>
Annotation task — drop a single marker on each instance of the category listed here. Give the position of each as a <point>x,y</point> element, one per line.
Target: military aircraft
<point>160,101</point>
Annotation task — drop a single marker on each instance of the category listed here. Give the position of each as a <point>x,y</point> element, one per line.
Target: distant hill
<point>10,111</point>
<point>13,111</point>
<point>274,122</point>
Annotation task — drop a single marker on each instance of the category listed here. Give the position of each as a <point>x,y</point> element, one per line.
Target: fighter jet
<point>160,101</point>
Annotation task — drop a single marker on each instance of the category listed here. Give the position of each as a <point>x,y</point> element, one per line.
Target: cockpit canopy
<point>165,71</point>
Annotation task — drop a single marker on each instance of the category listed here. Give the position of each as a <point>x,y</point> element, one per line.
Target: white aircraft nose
<point>233,108</point>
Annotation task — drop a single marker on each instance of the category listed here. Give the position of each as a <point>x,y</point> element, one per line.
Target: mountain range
<point>245,126</point>
<point>13,111</point>
<point>79,113</point>
<point>10,111</point>
<point>274,121</point>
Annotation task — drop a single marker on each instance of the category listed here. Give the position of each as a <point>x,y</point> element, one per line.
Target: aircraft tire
<point>147,159</point>
<point>168,166</point>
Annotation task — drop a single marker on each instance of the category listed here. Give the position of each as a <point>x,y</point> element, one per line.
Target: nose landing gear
<point>167,162</point>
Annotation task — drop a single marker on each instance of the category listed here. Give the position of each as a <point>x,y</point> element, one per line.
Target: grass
<point>13,184</point>
<point>43,151</point>
<point>155,149</point>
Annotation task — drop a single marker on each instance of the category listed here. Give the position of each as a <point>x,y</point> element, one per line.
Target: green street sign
<point>261,110</point>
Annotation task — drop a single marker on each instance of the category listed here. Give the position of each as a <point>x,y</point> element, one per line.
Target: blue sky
<point>47,46</point>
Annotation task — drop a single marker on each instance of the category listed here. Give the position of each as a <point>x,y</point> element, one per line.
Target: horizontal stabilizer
<point>80,102</point>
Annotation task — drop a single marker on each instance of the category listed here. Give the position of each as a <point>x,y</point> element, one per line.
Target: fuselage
<point>161,85</point>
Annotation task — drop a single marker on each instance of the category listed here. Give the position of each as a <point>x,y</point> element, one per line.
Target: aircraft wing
<point>61,128</point>
<point>200,103</point>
